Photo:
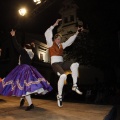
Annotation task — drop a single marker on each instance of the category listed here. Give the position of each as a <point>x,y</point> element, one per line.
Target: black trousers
<point>61,67</point>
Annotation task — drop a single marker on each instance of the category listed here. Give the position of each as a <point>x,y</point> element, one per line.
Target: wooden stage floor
<point>48,110</point>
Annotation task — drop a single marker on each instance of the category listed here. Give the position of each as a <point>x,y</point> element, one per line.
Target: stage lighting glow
<point>22,11</point>
<point>37,1</point>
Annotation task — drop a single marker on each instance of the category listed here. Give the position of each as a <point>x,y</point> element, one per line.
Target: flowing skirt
<point>24,80</point>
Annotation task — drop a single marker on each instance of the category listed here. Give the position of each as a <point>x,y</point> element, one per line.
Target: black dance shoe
<point>59,101</point>
<point>22,102</point>
<point>29,107</point>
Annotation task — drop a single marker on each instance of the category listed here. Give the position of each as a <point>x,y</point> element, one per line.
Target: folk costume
<point>24,79</point>
<point>58,65</point>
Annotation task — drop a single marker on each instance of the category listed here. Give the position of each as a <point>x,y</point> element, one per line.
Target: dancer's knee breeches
<point>74,66</point>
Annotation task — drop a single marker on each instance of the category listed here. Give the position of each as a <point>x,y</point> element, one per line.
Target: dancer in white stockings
<point>56,53</point>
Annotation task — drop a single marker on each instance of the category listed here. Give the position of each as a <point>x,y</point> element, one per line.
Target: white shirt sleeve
<point>49,36</point>
<point>69,41</point>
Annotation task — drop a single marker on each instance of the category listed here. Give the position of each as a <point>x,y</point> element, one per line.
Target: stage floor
<point>48,110</point>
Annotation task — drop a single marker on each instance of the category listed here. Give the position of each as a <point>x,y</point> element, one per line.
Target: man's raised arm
<point>49,33</point>
<point>72,38</point>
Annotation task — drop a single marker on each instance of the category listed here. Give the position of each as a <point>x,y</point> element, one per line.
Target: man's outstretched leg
<point>74,69</point>
<point>60,89</point>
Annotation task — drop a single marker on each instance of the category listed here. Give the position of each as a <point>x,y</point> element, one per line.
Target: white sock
<point>61,84</point>
<point>28,98</point>
<point>74,69</point>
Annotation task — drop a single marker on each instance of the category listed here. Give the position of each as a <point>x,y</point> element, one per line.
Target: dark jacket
<point>24,59</point>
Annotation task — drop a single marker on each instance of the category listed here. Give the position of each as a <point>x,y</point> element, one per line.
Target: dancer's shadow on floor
<point>34,109</point>
<point>2,101</point>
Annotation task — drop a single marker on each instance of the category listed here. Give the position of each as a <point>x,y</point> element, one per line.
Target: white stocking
<point>61,84</point>
<point>74,69</point>
<point>28,98</point>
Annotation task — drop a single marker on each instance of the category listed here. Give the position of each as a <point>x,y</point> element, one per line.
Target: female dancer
<point>24,79</point>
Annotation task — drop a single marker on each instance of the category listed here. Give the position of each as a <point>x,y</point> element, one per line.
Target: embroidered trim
<point>25,83</point>
<point>7,83</point>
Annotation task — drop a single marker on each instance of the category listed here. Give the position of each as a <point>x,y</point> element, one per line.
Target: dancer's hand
<point>33,44</point>
<point>57,22</point>
<point>80,29</point>
<point>12,32</point>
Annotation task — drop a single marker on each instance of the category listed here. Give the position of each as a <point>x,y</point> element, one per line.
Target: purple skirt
<point>24,80</point>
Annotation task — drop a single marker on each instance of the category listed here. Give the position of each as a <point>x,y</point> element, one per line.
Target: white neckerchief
<point>30,53</point>
<point>58,45</point>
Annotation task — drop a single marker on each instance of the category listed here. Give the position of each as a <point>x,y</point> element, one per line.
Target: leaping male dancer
<point>59,66</point>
